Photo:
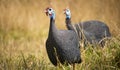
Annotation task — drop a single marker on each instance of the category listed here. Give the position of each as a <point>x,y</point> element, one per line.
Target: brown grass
<point>24,25</point>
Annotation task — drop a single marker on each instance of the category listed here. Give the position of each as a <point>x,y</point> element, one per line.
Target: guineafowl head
<point>67,13</point>
<point>50,12</point>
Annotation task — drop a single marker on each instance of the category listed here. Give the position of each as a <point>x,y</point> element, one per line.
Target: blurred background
<point>24,25</point>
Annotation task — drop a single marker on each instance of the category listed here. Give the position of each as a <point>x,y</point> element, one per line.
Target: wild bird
<point>61,45</point>
<point>92,31</point>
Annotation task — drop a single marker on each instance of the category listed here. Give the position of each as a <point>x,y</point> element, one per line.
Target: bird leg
<point>74,66</point>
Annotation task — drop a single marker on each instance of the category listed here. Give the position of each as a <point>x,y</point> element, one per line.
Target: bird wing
<point>68,38</point>
<point>51,52</point>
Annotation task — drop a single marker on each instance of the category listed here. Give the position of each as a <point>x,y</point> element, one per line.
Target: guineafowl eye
<point>50,9</point>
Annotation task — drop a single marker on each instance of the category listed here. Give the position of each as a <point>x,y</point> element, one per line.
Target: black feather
<point>93,30</point>
<point>64,43</point>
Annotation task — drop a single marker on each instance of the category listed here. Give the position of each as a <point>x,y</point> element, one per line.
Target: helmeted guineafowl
<point>61,44</point>
<point>93,31</point>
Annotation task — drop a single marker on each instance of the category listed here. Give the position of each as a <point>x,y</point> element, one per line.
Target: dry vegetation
<point>24,28</point>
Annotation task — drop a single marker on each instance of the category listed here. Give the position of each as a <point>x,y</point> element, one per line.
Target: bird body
<point>94,31</point>
<point>62,44</point>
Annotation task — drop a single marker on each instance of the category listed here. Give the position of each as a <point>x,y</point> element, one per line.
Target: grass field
<point>24,29</point>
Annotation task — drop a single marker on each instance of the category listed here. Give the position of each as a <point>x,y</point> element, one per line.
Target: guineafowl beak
<point>64,11</point>
<point>46,12</point>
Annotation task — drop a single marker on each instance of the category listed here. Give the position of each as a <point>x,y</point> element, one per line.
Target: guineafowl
<point>61,45</point>
<point>93,31</point>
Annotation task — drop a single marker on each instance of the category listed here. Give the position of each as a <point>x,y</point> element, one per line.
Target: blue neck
<point>52,16</point>
<point>68,16</point>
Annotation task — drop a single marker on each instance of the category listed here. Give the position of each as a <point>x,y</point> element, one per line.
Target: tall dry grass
<point>24,28</point>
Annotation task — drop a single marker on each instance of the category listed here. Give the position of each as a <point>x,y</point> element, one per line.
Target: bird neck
<point>68,24</point>
<point>68,16</point>
<point>52,28</point>
<point>68,21</point>
<point>52,16</point>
